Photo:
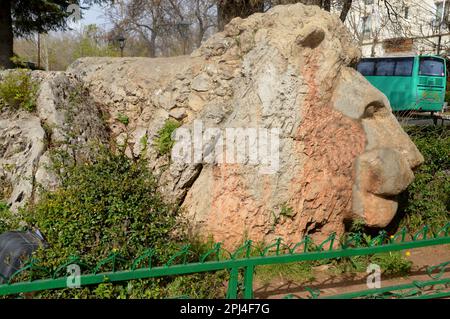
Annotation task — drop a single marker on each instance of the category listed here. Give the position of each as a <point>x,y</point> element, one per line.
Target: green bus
<point>409,82</point>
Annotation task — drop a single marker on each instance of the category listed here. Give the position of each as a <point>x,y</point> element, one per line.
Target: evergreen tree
<point>23,17</point>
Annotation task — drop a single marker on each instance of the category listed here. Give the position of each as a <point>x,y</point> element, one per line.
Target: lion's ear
<point>310,36</point>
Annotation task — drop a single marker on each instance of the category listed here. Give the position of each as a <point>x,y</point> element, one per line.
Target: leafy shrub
<point>352,264</point>
<point>123,119</point>
<point>18,91</point>
<point>7,220</point>
<point>428,197</point>
<point>358,225</point>
<point>112,204</point>
<point>164,141</point>
<point>392,263</point>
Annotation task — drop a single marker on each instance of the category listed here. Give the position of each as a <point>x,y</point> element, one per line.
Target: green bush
<point>18,91</point>
<point>8,221</point>
<point>164,141</point>
<point>392,263</point>
<point>109,204</point>
<point>123,119</point>
<point>112,204</point>
<point>428,197</point>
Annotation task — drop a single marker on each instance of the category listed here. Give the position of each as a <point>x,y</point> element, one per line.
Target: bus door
<point>431,83</point>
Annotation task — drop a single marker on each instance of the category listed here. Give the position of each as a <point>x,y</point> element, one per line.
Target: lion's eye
<point>374,108</point>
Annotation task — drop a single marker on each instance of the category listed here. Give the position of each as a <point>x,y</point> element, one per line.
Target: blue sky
<point>94,15</point>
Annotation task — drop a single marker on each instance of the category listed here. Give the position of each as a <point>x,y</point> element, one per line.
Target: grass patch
<point>428,197</point>
<point>123,119</point>
<point>164,142</point>
<point>297,272</point>
<point>391,263</point>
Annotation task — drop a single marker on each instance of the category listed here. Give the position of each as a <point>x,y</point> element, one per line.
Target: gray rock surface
<point>64,120</point>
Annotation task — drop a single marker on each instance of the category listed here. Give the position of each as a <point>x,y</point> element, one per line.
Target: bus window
<point>431,66</point>
<point>385,67</point>
<point>366,67</point>
<point>404,67</point>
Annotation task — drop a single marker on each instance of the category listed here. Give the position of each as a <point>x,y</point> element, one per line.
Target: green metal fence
<point>241,265</point>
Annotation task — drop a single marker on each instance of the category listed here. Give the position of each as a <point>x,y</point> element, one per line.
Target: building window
<point>406,12</point>
<point>368,2</point>
<point>366,26</point>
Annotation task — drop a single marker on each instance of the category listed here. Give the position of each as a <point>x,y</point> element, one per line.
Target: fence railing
<point>243,261</point>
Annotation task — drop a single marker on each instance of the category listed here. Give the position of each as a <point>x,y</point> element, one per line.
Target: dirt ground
<point>344,283</point>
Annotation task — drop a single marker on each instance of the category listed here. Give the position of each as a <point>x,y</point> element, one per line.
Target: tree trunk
<point>152,45</point>
<point>345,9</point>
<point>201,27</point>
<point>312,2</point>
<point>374,46</point>
<point>200,34</point>
<point>6,35</point>
<point>327,5</point>
<point>229,9</point>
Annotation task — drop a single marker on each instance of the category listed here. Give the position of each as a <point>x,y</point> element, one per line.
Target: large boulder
<point>341,155</point>
<point>317,144</point>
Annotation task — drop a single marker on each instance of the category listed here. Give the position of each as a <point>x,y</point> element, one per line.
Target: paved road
<point>421,120</point>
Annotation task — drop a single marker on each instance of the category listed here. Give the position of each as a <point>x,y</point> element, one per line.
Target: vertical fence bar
<point>248,282</point>
<point>233,284</point>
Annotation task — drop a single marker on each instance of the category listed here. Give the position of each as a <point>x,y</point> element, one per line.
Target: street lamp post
<point>183,28</point>
<point>121,41</point>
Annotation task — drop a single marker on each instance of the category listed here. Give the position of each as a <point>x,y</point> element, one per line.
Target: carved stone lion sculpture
<point>336,151</point>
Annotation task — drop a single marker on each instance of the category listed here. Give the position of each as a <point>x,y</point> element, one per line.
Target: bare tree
<point>340,6</point>
<point>144,18</point>
<point>347,4</point>
<point>168,27</point>
<point>386,22</point>
<point>172,27</point>
<point>400,26</point>
<point>204,15</point>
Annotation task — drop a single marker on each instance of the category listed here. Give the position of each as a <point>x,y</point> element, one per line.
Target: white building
<point>400,26</point>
